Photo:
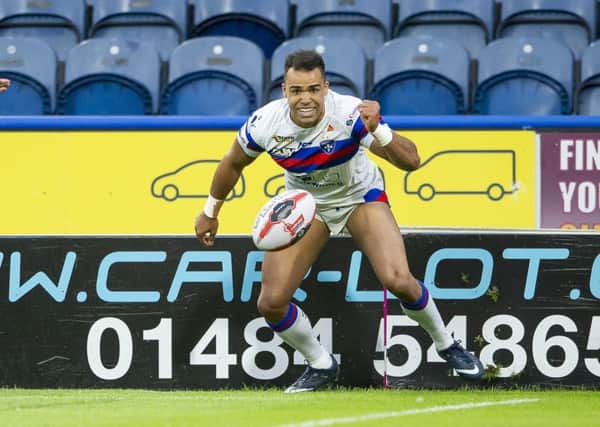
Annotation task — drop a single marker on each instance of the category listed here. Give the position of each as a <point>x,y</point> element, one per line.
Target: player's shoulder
<point>268,115</point>
<point>263,121</point>
<point>344,105</point>
<point>273,110</point>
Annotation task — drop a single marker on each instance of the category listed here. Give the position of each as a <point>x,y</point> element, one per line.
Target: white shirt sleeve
<point>360,132</point>
<point>249,138</point>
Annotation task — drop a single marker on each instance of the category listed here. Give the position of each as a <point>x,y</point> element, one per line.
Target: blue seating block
<point>524,76</point>
<point>214,76</point>
<point>30,64</point>
<point>421,76</point>
<point>110,77</point>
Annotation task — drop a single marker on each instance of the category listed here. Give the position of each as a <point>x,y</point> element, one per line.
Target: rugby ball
<point>283,220</point>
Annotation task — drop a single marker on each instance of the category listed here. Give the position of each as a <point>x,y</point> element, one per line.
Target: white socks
<point>295,330</point>
<point>425,313</point>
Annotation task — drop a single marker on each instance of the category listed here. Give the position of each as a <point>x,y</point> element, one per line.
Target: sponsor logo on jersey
<point>254,119</point>
<point>283,139</point>
<point>290,148</point>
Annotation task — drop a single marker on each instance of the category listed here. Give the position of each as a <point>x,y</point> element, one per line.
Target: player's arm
<point>401,152</point>
<point>387,144</point>
<point>4,84</point>
<point>226,176</point>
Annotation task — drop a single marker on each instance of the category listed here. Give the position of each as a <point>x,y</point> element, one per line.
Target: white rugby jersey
<point>329,160</point>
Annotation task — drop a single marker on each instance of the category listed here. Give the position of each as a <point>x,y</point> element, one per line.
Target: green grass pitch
<point>266,408</point>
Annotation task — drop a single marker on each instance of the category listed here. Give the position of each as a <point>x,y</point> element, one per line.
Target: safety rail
<point>165,123</point>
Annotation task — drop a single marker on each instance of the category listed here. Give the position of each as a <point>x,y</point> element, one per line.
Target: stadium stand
<point>588,92</point>
<point>31,66</point>
<point>345,64</point>
<point>162,23</point>
<point>467,21</point>
<point>347,32</point>
<point>366,21</point>
<point>214,76</point>
<point>264,22</point>
<point>110,77</point>
<point>524,76</point>
<point>573,21</point>
<point>421,75</point>
<point>61,23</point>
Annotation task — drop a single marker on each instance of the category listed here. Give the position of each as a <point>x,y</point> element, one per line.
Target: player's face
<point>305,92</point>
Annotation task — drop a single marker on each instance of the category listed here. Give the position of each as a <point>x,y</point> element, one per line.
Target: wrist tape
<point>383,134</point>
<point>212,206</point>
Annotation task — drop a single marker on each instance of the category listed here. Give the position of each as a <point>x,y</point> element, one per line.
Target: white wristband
<point>384,134</point>
<point>212,206</point>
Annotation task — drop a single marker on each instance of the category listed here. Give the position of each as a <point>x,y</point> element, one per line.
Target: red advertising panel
<point>570,180</point>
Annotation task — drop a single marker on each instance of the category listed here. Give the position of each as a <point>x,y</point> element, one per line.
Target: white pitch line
<point>430,410</point>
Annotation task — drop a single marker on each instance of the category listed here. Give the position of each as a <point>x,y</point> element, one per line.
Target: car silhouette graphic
<point>274,185</point>
<point>191,180</point>
<point>464,172</point>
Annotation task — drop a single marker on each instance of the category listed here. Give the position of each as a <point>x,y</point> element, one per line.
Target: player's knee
<point>270,306</point>
<point>397,281</point>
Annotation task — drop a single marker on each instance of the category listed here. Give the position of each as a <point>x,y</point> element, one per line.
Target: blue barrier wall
<point>234,122</point>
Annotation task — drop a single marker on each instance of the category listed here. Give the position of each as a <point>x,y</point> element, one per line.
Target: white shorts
<point>336,218</point>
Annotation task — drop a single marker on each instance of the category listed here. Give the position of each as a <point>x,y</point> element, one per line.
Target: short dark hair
<point>305,60</point>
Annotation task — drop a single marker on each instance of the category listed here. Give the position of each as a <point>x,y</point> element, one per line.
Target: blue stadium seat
<point>524,76</point>
<point>30,64</point>
<point>470,22</point>
<point>110,77</point>
<point>421,76</point>
<point>161,23</point>
<point>366,21</point>
<point>572,21</point>
<point>214,76</point>
<point>588,92</point>
<point>345,64</point>
<point>264,22</point>
<point>60,23</point>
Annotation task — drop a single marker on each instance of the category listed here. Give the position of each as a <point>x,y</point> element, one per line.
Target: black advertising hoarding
<point>163,312</point>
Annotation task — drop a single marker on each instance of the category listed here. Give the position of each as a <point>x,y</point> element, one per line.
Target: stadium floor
<point>248,408</point>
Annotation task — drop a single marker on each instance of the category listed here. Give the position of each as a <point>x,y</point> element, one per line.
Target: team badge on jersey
<point>327,146</point>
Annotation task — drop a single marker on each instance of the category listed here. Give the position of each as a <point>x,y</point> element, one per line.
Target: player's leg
<point>282,274</point>
<point>376,233</point>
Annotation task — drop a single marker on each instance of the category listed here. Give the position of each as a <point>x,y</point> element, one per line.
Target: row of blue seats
<point>167,23</point>
<point>226,76</point>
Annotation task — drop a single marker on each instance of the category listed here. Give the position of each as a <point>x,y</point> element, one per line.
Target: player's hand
<point>4,84</point>
<point>206,229</point>
<point>370,114</point>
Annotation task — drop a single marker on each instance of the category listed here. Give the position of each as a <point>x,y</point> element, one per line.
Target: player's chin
<point>307,121</point>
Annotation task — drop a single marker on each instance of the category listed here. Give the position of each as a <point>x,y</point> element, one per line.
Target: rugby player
<point>320,138</point>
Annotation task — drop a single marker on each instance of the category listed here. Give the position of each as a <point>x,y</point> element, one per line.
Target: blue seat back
<point>366,21</point>
<point>264,22</point>
<point>30,64</point>
<point>58,22</point>
<point>588,93</point>
<point>573,21</point>
<point>470,22</point>
<point>345,64</point>
<point>524,76</point>
<point>112,77</point>
<point>161,23</point>
<point>214,76</point>
<point>421,75</point>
